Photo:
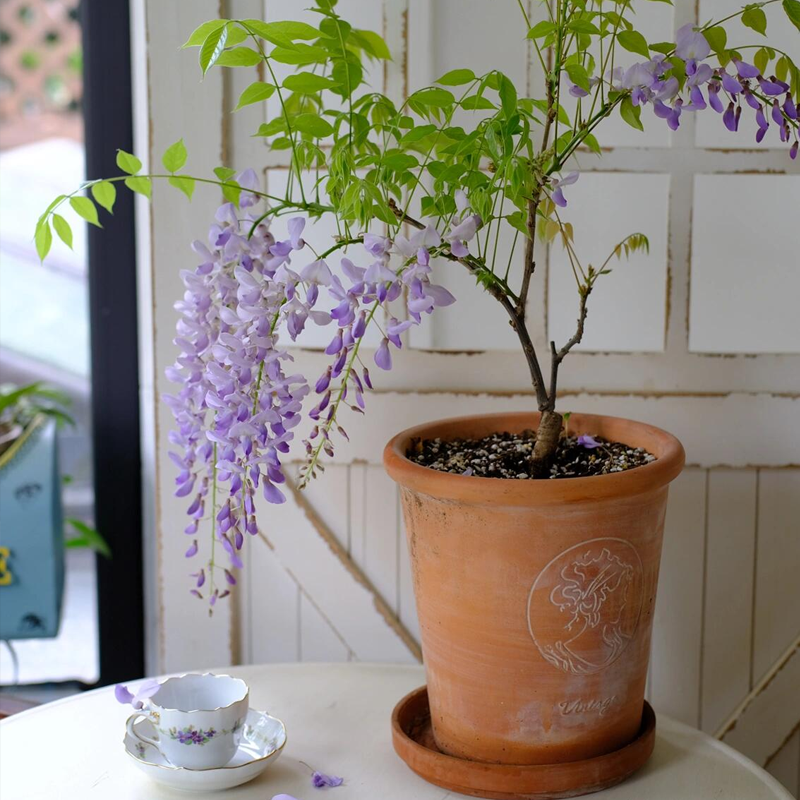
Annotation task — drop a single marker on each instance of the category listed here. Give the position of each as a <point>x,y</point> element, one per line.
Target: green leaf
<point>63,230</point>
<point>128,162</point>
<point>308,83</point>
<point>174,156</point>
<point>313,125</point>
<point>105,194</point>
<point>277,125</point>
<point>508,96</point>
<point>755,18</point>
<point>86,209</point>
<point>662,47</point>
<point>239,57</point>
<point>300,54</point>
<point>212,47</point>
<point>186,185</point>
<point>583,26</point>
<point>792,9</point>
<point>631,114</point>
<point>542,29</point>
<point>456,77</point>
<point>634,42</point>
<point>438,98</point>
<point>415,134</point>
<point>140,186</point>
<point>371,43</point>
<point>200,34</point>
<point>782,68</point>
<point>255,93</point>
<point>591,142</point>
<point>224,173</point>
<point>717,37</point>
<point>348,75</point>
<point>284,29</point>
<point>476,101</point>
<point>43,240</point>
<point>761,60</point>
<point>231,191</point>
<point>579,76</point>
<point>88,537</point>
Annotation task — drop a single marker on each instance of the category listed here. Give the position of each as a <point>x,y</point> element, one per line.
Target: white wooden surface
<point>337,721</point>
<point>707,349</point>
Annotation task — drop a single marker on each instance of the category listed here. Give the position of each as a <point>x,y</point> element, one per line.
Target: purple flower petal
<point>320,780</point>
<point>746,70</point>
<point>589,442</point>
<point>123,694</point>
<point>383,358</point>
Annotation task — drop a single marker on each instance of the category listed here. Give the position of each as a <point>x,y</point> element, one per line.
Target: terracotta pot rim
<point>668,450</point>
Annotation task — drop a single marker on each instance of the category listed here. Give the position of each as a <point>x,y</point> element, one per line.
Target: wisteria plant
<point>435,179</point>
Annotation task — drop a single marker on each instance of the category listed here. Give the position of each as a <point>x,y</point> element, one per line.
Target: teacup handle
<point>132,720</point>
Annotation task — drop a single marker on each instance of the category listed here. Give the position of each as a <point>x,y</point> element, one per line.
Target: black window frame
<point>108,119</point>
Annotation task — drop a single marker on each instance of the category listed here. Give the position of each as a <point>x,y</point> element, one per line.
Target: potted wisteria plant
<point>535,548</point>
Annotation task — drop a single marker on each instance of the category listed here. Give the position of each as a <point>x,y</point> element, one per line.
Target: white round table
<point>338,721</point>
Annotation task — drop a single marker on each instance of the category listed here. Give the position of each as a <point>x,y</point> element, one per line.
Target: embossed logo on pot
<point>584,607</point>
<point>575,707</point>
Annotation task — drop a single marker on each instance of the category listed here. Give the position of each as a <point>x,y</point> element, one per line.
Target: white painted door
<point>699,337</point>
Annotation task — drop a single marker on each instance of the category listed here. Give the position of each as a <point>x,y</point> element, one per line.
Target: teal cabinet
<point>31,535</point>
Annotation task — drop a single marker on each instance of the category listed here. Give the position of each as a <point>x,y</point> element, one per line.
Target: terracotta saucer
<point>412,736</point>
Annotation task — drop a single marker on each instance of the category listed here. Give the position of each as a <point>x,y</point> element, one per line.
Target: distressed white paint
<point>727,608</point>
<point>777,587</point>
<point>769,721</point>
<point>749,306</point>
<point>628,306</point>
<point>677,627</point>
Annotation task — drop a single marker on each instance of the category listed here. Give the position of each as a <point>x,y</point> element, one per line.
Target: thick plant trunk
<point>547,437</point>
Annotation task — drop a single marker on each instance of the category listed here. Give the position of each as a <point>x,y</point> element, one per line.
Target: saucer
<point>262,742</point>
<point>412,736</point>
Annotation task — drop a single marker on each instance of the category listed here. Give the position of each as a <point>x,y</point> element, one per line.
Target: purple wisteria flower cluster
<point>723,89</point>
<point>238,404</point>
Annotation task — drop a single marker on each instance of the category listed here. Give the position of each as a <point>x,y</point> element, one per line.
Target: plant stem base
<point>412,736</point>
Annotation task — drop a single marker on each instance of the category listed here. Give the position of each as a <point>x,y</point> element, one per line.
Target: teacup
<point>199,719</point>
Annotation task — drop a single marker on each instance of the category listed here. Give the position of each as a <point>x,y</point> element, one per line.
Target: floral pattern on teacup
<point>192,735</point>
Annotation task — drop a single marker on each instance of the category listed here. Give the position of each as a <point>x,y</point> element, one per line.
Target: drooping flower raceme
<point>238,402</point>
<point>722,88</point>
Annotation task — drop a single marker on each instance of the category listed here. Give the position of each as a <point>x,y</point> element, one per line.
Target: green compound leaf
<point>755,18</point>
<point>239,57</point>
<point>105,194</point>
<point>200,34</point>
<point>634,42</point>
<point>313,125</point>
<point>631,114</point>
<point>85,208</point>
<point>140,186</point>
<point>128,162</point>
<point>456,77</point>
<point>186,185</point>
<point>212,47</point>
<point>308,83</point>
<point>174,156</point>
<point>792,10</point>
<point>43,239</point>
<point>63,230</point>
<point>255,93</point>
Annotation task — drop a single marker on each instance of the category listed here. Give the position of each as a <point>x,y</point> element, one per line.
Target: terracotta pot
<point>535,598</point>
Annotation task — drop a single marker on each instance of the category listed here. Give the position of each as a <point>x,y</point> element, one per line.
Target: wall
<point>699,337</point>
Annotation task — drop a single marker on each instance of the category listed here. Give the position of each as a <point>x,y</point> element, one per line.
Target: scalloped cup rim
<point>670,458</point>
<point>245,696</point>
